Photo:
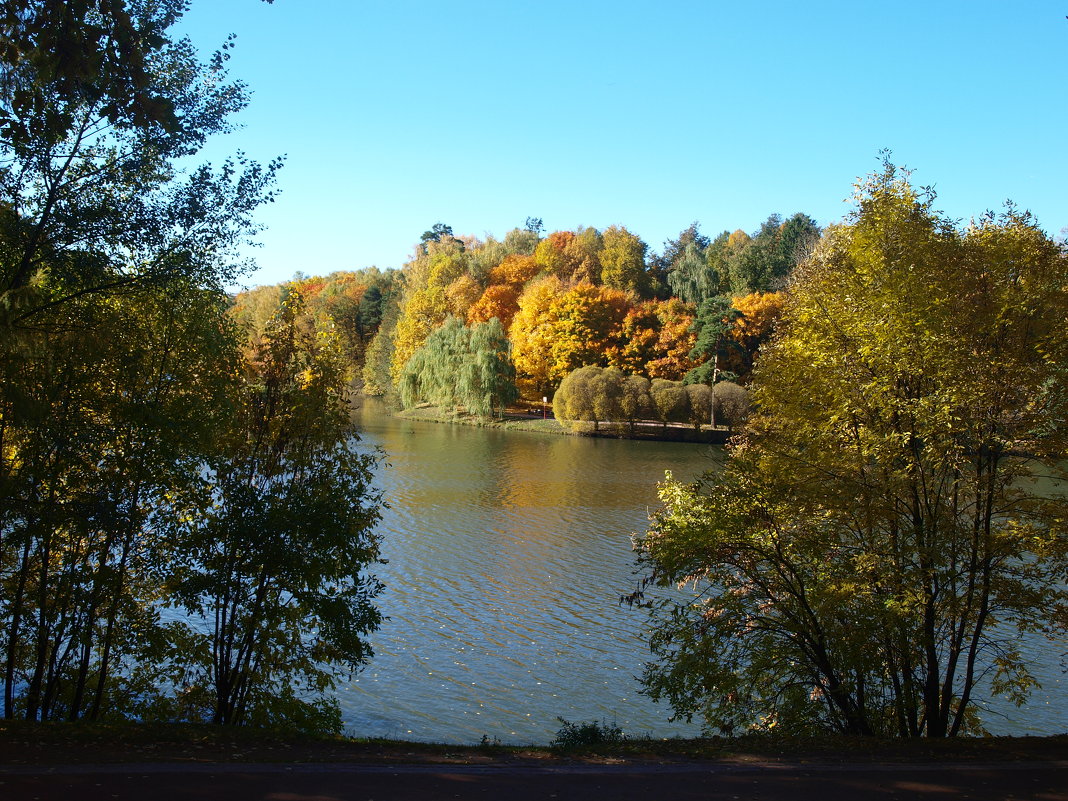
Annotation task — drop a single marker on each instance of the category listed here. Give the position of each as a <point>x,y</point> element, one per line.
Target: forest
<point>474,325</point>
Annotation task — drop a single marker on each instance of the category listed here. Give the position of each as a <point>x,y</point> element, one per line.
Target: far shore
<point>532,417</point>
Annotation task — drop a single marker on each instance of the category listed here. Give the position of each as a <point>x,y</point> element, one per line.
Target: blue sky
<point>397,115</point>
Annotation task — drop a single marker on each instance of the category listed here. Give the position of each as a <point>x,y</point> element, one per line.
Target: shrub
<point>578,735</point>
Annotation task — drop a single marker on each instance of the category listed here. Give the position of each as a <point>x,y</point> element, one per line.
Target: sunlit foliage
<point>876,543</point>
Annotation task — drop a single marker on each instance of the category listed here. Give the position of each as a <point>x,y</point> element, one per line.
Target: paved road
<point>1044,781</point>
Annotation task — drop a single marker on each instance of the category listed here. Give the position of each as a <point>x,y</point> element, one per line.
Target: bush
<point>578,735</point>
<point>732,404</point>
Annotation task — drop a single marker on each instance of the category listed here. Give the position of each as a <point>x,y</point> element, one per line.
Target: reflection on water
<point>507,555</point>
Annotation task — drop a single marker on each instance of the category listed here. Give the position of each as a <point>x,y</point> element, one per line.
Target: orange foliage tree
<point>655,340</point>
<point>501,297</point>
<point>760,313</point>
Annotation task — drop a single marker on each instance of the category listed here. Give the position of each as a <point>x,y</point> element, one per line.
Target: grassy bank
<point>24,743</point>
<point>518,418</point>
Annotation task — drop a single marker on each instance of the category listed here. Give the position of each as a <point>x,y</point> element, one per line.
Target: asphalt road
<point>1044,781</point>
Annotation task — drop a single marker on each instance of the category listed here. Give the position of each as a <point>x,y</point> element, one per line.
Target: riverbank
<point>530,418</point>
<point>37,744</point>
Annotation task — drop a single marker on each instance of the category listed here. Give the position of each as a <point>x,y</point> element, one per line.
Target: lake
<point>508,552</point>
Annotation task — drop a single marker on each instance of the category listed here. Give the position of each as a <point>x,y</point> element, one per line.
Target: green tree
<point>763,262</point>
<point>878,541</point>
<point>716,320</point>
<point>685,262</point>
<point>461,366</point>
<point>110,420</point>
<point>288,479</point>
<point>113,347</point>
<point>90,201</point>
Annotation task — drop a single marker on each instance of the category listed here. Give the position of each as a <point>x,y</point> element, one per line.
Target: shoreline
<point>517,419</point>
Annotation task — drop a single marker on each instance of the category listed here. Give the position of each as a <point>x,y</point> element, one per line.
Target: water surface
<point>508,552</point>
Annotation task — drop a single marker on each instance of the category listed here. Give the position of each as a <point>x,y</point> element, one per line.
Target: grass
<point>23,743</point>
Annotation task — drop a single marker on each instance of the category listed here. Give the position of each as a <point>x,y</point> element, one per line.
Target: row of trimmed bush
<point>607,395</point>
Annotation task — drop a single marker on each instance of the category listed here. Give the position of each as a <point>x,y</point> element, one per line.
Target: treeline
<point>698,313</point>
<point>589,297</point>
<point>185,522</point>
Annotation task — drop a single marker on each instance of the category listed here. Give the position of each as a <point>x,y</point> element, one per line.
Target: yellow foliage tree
<point>557,330</point>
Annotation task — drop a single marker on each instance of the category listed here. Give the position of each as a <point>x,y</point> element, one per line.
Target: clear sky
<point>397,115</point>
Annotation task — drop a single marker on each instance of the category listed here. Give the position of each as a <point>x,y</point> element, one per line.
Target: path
<point>766,781</point>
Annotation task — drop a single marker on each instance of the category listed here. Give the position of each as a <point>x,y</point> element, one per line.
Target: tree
<point>116,357</point>
<point>758,315</point>
<point>877,542</point>
<point>670,400</point>
<point>763,262</point>
<point>635,403</point>
<point>438,232</point>
<point>288,479</point>
<point>487,382</point>
<point>500,301</point>
<point>461,366</point>
<point>716,319</point>
<point>699,405</point>
<point>556,331</point>
<point>732,404</point>
<point>573,401</point>
<point>90,202</point>
<point>425,302</point>
<point>552,255</point>
<point>685,262</point>
<point>98,427</point>
<point>655,339</point>
<point>623,261</point>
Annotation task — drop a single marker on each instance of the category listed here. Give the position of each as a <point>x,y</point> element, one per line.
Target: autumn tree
<point>758,315</point>
<point>874,547</point>
<point>424,304</point>
<point>500,301</point>
<point>553,255</point>
<point>557,330</point>
<point>623,261</point>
